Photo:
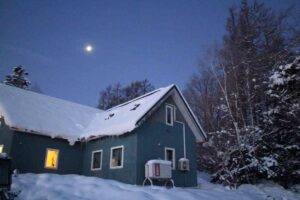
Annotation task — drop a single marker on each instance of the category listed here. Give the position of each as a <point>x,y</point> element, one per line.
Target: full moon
<point>88,48</point>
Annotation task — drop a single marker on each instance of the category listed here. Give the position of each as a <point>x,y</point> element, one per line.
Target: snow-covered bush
<point>211,152</point>
<point>239,163</point>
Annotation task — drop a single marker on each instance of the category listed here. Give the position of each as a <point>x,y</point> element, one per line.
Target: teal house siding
<point>29,153</point>
<point>125,174</point>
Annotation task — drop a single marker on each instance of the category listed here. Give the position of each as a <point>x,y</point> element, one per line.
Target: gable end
<point>183,107</point>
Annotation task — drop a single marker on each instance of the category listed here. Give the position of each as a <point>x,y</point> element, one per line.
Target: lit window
<point>96,160</point>
<point>170,156</point>
<point>116,157</point>
<point>1,148</point>
<point>51,161</point>
<point>169,115</point>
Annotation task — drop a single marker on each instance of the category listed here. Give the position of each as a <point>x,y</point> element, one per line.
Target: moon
<point>88,48</point>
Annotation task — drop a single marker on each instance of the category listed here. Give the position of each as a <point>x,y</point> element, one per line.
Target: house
<point>44,134</point>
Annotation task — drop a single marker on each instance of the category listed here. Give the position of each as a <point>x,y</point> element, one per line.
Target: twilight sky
<point>161,40</point>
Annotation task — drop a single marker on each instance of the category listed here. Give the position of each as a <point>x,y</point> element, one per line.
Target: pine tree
<point>18,78</point>
<point>279,149</point>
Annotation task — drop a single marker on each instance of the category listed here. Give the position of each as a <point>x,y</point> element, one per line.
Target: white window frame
<point>172,114</point>
<point>174,154</point>
<point>111,154</point>
<point>53,168</point>
<point>92,161</point>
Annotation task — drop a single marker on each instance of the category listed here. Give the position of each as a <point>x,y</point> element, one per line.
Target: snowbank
<point>75,187</point>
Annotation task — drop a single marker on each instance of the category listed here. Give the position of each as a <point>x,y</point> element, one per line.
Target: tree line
<point>246,95</point>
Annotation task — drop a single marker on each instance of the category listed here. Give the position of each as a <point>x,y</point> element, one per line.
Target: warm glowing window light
<point>51,161</point>
<point>1,148</point>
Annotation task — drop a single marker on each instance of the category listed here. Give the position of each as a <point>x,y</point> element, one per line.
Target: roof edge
<point>192,113</point>
<point>139,97</point>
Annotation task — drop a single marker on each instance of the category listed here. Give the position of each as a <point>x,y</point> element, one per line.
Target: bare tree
<point>116,94</point>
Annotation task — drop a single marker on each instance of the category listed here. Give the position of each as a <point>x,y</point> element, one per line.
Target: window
<point>169,115</point>
<point>96,163</point>
<point>116,157</point>
<point>1,148</point>
<point>170,156</point>
<point>51,161</point>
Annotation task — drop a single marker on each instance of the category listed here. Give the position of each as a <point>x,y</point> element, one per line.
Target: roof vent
<point>135,106</point>
<point>110,116</point>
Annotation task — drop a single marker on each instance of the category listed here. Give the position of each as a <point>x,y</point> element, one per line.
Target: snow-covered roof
<point>124,117</point>
<point>37,113</point>
<point>33,112</point>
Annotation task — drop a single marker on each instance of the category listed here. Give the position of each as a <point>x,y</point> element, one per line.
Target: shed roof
<point>38,113</point>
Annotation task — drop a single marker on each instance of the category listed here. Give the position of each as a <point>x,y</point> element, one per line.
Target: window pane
<point>96,160</point>
<point>169,115</point>
<point>52,159</point>
<point>169,156</point>
<point>116,157</point>
<point>1,148</point>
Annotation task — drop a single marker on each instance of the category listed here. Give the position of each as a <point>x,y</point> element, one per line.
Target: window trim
<point>92,160</point>
<point>174,109</point>
<point>52,168</point>
<point>111,154</point>
<point>174,156</point>
<point>172,114</point>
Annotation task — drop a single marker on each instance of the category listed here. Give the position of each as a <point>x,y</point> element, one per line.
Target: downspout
<point>184,143</point>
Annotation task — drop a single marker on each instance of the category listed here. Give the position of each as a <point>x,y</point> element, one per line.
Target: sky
<point>161,40</point>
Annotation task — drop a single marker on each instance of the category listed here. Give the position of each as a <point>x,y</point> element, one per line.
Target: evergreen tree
<point>279,148</point>
<point>18,78</point>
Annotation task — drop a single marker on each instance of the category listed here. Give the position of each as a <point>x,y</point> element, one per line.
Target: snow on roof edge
<point>140,97</point>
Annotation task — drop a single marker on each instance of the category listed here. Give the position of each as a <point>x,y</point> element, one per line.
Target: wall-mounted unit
<point>183,164</point>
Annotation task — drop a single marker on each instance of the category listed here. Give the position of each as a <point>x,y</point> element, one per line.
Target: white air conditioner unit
<point>158,169</point>
<point>183,164</point>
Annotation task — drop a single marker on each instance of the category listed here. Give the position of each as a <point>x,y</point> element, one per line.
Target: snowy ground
<point>63,187</point>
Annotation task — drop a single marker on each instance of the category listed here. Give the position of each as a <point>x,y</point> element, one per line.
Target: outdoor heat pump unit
<point>159,170</point>
<point>183,164</point>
